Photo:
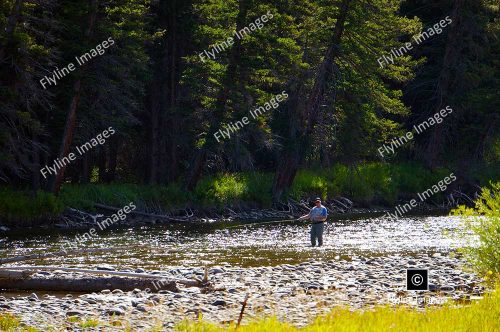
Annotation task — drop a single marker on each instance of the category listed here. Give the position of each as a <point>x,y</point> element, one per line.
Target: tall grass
<point>22,205</point>
<point>366,183</point>
<point>480,316</point>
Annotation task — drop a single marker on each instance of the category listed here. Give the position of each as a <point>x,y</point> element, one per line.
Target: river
<point>240,244</point>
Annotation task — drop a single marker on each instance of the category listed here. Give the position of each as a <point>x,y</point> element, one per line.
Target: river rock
<point>219,303</point>
<point>142,308</point>
<point>114,311</point>
<point>216,270</point>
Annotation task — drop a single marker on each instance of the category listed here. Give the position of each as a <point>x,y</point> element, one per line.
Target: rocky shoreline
<point>293,293</point>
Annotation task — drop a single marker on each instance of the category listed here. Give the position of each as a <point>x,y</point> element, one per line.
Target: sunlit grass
<point>88,323</point>
<point>10,323</point>
<point>483,315</point>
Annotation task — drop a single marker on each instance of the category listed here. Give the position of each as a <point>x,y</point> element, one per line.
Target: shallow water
<point>254,244</point>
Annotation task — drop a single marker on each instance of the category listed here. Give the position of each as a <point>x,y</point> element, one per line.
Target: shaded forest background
<point>165,103</point>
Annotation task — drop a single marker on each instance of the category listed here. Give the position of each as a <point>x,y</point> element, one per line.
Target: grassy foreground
<point>483,315</point>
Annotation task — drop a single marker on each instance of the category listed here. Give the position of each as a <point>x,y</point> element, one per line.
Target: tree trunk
<point>164,115</point>
<point>101,165</point>
<point>154,149</point>
<point>448,76</point>
<point>35,170</point>
<point>299,139</point>
<point>85,169</point>
<point>69,127</point>
<point>113,159</point>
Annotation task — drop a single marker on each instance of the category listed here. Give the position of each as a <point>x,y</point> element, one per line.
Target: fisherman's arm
<point>304,217</point>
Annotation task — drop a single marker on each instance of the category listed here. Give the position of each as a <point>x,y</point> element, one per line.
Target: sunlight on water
<point>249,245</point>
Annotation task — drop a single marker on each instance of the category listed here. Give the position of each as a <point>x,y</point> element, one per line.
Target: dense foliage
<point>166,98</point>
<point>483,221</point>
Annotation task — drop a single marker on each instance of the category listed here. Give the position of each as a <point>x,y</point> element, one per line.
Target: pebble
<point>142,308</point>
<point>75,313</point>
<point>219,302</point>
<point>114,311</point>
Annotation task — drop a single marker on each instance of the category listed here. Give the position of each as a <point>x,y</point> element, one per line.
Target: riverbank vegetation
<point>369,184</point>
<point>481,315</point>
<point>483,221</point>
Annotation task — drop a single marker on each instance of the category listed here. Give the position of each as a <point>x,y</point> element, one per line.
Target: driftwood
<point>33,269</point>
<point>144,214</point>
<point>151,281</point>
<point>14,274</point>
<point>86,284</point>
<point>242,311</point>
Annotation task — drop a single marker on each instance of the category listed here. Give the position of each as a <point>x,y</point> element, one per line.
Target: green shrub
<point>483,221</point>
<point>309,183</point>
<point>225,188</point>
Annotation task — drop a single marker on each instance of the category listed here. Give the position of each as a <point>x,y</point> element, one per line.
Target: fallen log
<point>150,215</point>
<point>14,274</point>
<point>84,285</point>
<point>159,279</point>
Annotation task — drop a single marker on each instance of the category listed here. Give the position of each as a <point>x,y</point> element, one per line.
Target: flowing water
<point>268,244</point>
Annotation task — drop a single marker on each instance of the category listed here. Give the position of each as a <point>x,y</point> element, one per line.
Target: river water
<point>247,245</point>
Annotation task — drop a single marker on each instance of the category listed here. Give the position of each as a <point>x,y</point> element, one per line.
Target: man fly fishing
<point>317,215</point>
